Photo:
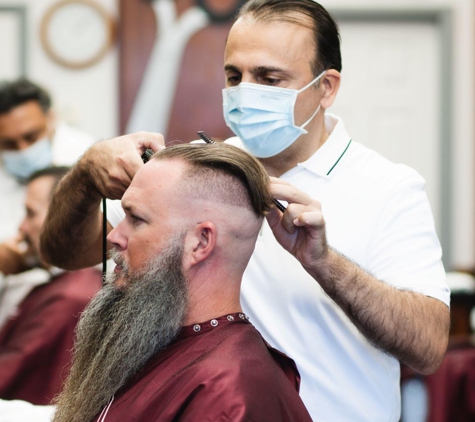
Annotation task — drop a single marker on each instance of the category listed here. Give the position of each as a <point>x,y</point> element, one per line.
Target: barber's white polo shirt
<point>377,214</point>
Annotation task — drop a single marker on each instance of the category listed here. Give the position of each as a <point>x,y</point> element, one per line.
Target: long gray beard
<point>120,330</point>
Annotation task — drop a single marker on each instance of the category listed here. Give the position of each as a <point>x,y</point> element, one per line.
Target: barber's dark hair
<point>224,170</point>
<point>15,93</point>
<point>324,27</point>
<point>55,172</point>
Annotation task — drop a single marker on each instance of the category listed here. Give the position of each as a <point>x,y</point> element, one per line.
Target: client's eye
<point>135,219</point>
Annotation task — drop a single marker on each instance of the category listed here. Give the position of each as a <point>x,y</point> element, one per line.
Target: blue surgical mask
<point>22,164</point>
<point>263,116</point>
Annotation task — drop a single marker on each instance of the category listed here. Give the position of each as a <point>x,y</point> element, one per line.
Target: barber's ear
<point>200,242</point>
<point>51,116</point>
<point>331,84</point>
<point>51,119</point>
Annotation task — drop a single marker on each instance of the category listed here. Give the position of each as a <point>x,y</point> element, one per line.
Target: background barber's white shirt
<point>68,145</point>
<point>22,411</point>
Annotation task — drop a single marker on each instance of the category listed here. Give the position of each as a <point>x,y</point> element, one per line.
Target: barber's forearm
<point>410,326</point>
<point>72,232</point>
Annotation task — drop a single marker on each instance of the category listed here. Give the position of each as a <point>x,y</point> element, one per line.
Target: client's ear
<point>200,242</point>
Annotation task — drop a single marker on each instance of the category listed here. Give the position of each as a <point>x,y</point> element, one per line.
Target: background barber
<point>30,139</point>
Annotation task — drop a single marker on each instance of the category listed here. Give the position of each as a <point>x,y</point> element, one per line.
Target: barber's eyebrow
<point>231,68</point>
<point>268,69</point>
<point>27,135</point>
<point>259,70</point>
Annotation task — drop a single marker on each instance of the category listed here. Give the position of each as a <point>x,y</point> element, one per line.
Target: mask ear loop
<point>311,82</point>
<point>311,117</point>
<point>104,240</point>
<point>319,106</point>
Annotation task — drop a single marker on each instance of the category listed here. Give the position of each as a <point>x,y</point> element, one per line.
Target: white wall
<point>88,98</point>
<point>463,152</point>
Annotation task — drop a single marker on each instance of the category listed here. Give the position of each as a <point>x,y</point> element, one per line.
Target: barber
<point>348,281</point>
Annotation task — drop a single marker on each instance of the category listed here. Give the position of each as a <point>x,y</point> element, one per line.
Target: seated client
<point>166,339</point>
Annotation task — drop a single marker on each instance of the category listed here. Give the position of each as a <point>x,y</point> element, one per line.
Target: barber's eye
<point>32,138</point>
<point>234,80</point>
<point>8,146</point>
<point>271,81</point>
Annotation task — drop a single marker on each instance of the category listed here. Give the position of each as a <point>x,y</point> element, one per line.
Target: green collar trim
<point>339,158</point>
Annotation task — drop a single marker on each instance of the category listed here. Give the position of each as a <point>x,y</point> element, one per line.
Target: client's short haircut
<point>224,172</point>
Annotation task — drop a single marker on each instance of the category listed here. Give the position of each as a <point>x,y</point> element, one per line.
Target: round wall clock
<point>76,33</point>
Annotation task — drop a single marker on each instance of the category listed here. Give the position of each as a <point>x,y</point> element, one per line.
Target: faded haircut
<point>326,37</point>
<point>225,172</point>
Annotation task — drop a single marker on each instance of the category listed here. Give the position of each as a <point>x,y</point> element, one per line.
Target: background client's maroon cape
<point>36,344</point>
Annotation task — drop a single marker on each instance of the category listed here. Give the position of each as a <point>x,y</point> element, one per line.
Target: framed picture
<point>160,58</point>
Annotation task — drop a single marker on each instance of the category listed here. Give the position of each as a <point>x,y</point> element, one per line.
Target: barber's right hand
<point>112,164</point>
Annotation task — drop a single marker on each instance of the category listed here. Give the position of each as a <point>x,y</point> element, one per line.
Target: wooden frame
<point>50,48</point>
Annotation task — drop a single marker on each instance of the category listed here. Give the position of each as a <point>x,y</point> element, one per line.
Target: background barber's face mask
<point>22,164</point>
<point>263,116</point>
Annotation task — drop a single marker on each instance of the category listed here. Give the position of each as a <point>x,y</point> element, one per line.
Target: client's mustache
<point>116,256</point>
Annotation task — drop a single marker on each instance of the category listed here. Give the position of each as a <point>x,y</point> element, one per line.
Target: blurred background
<point>116,66</point>
<point>119,66</point>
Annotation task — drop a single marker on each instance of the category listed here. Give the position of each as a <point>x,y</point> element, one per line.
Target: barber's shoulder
<point>71,134</point>
<point>374,166</point>
<point>235,141</point>
<point>69,144</point>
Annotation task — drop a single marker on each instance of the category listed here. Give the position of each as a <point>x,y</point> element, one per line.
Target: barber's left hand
<point>110,165</point>
<point>301,228</point>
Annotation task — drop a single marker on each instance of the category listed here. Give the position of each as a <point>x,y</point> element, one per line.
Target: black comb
<point>146,155</point>
<point>205,137</point>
